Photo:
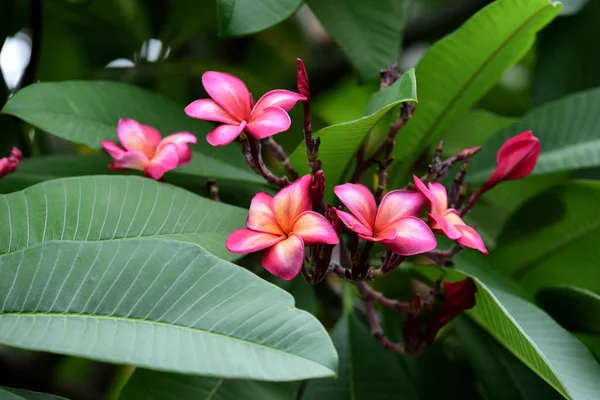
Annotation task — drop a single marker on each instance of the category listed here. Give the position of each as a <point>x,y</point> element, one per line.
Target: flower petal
<point>278,98</point>
<point>210,110</point>
<point>414,237</point>
<point>180,140</point>
<point>229,92</point>
<point>396,204</point>
<point>131,159</point>
<point>113,149</point>
<point>291,201</point>
<point>449,230</point>
<point>437,199</point>
<point>354,224</point>
<point>270,121</point>
<point>136,136</point>
<point>470,238</point>
<point>314,228</point>
<point>359,200</point>
<point>165,160</point>
<point>261,217</point>
<point>224,134</point>
<point>247,241</point>
<point>285,259</point>
<point>385,236</point>
<point>453,217</point>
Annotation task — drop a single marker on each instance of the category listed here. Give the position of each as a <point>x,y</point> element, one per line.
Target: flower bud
<point>10,163</point>
<point>302,79</point>
<point>466,153</point>
<point>317,188</point>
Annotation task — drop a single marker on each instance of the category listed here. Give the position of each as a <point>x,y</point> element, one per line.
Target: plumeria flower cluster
<point>297,231</point>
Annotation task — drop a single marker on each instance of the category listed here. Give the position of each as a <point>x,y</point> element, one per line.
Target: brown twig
<point>256,152</point>
<point>369,293</point>
<point>281,156</point>
<point>444,257</point>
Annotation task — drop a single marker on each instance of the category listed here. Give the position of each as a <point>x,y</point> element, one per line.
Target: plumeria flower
<point>447,220</point>
<point>144,150</point>
<point>395,224</point>
<point>283,225</point>
<point>232,105</point>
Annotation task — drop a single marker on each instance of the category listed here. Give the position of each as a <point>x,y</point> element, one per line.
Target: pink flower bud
<point>10,163</point>
<point>515,159</point>
<point>466,153</point>
<point>317,187</point>
<point>302,79</point>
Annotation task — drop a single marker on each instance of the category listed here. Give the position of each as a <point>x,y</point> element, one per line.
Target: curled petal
<point>314,228</point>
<point>261,217</point>
<point>285,259</point>
<point>441,223</point>
<point>165,160</point>
<point>277,98</point>
<point>229,92</point>
<point>353,223</point>
<point>453,217</point>
<point>439,193</point>
<point>136,136</point>
<point>131,159</point>
<point>113,150</point>
<point>470,238</point>
<point>385,236</point>
<point>210,110</point>
<point>359,200</point>
<point>291,201</point>
<point>396,204</point>
<point>180,140</point>
<point>414,237</point>
<point>224,134</point>
<point>270,121</point>
<point>248,241</point>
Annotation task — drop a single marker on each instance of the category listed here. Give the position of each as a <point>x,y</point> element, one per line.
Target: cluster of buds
<point>10,163</point>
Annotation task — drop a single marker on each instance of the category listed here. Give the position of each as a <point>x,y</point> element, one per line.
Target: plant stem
<point>281,156</point>
<point>256,152</point>
<point>369,293</point>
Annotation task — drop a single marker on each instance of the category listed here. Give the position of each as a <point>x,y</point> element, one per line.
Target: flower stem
<point>281,156</point>
<point>256,153</point>
<point>369,293</point>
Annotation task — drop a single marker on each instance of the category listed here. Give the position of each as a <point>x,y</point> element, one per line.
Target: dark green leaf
<point>243,17</point>
<point>574,308</point>
<point>19,394</point>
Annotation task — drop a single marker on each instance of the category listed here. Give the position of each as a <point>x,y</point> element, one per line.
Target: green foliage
<point>17,394</point>
<point>243,17</point>
<point>560,301</point>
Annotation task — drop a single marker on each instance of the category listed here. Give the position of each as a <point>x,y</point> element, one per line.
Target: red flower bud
<point>10,163</point>
<point>302,79</point>
<point>466,153</point>
<point>317,187</point>
<point>515,159</point>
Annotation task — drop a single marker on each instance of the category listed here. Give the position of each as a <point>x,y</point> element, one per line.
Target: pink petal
<point>425,191</point>
<point>396,204</point>
<point>449,230</point>
<point>439,192</point>
<point>385,236</point>
<point>132,159</point>
<point>165,160</point>
<point>314,228</point>
<point>285,259</point>
<point>270,121</point>
<point>261,217</point>
<point>210,110</point>
<point>136,136</point>
<point>247,241</point>
<point>278,98</point>
<point>291,201</point>
<point>113,150</point>
<point>353,223</point>
<point>414,237</point>
<point>359,200</point>
<point>470,238</point>
<point>224,134</point>
<point>180,140</point>
<point>453,217</point>
<point>229,92</point>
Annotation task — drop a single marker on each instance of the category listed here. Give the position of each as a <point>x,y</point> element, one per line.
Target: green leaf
<point>567,61</point>
<point>503,376</point>
<point>369,34</point>
<point>340,142</point>
<point>97,208</point>
<point>153,385</point>
<point>159,304</point>
<point>573,6</point>
<point>244,17</point>
<point>367,370</point>
<point>7,393</point>
<point>574,308</point>
<point>473,58</point>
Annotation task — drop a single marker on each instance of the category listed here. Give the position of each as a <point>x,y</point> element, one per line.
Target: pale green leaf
<point>244,17</point>
<point>20,394</point>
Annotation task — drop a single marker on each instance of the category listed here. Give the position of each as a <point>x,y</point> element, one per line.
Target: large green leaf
<point>369,34</point>
<point>340,142</point>
<point>574,308</point>
<point>19,394</point>
<point>153,385</point>
<point>160,304</point>
<point>573,6</point>
<point>459,69</point>
<point>97,208</point>
<point>568,130</point>
<point>243,17</point>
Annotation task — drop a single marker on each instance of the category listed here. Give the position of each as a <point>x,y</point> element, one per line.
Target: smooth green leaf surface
<point>340,142</point>
<point>574,308</point>
<point>97,208</point>
<point>159,304</point>
<point>243,17</point>
<point>19,394</point>
<point>153,385</point>
<point>573,6</point>
<point>459,69</point>
<point>369,33</point>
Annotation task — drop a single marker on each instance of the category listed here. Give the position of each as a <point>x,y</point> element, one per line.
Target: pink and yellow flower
<point>231,104</point>
<point>395,224</point>
<point>447,220</point>
<point>283,225</point>
<point>144,149</point>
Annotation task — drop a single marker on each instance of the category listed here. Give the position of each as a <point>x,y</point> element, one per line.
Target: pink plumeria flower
<point>144,150</point>
<point>447,220</point>
<point>395,224</point>
<point>231,104</point>
<point>283,225</point>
